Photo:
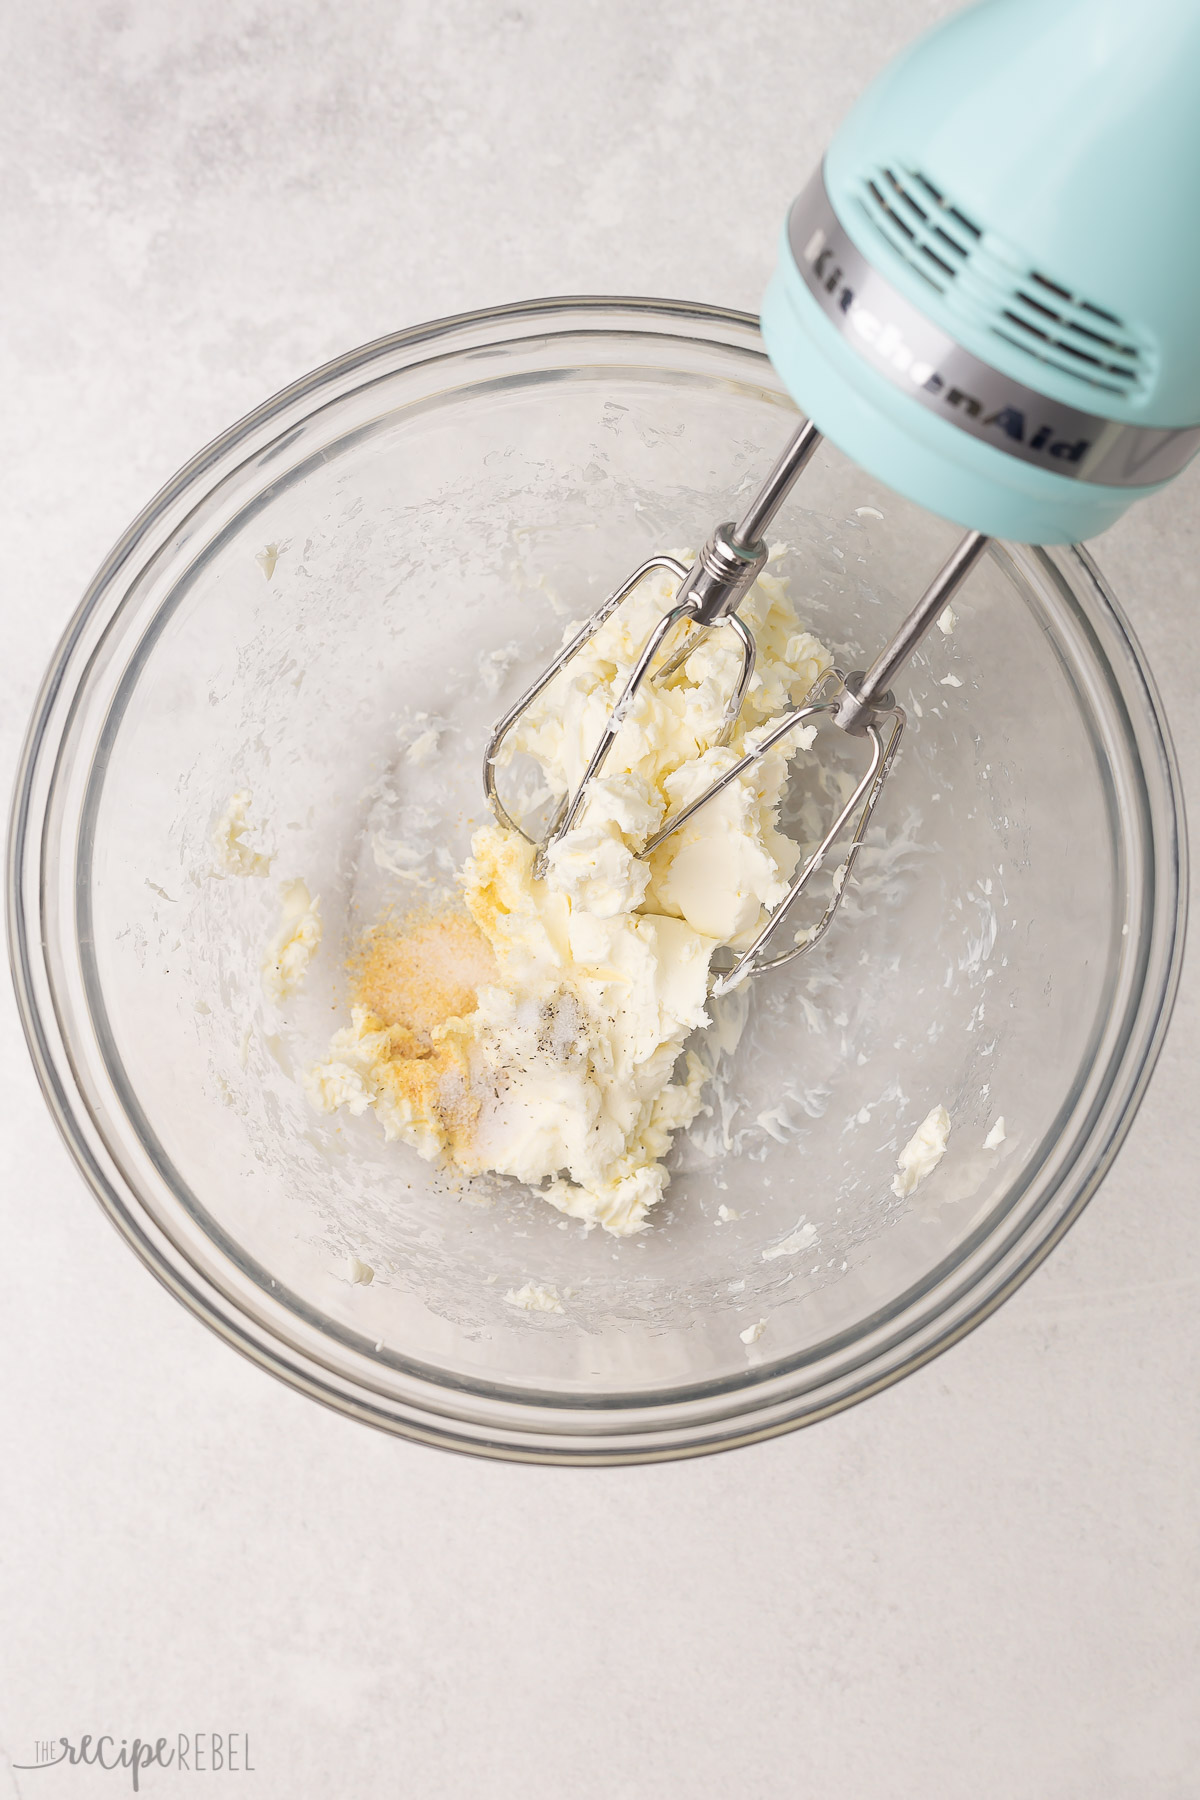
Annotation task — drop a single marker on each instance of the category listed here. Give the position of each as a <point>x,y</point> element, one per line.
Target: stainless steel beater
<point>860,704</point>
<point>708,596</point>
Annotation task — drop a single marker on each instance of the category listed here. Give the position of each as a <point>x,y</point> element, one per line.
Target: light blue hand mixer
<point>989,297</point>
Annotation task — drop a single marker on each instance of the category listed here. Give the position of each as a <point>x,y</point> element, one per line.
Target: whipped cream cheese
<point>562,1062</point>
<point>800,1239</point>
<point>532,1298</point>
<point>922,1153</point>
<point>234,856</point>
<point>295,942</point>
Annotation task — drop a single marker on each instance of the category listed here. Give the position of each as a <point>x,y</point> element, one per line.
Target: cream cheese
<point>922,1153</point>
<point>571,1070</point>
<point>532,1298</point>
<point>234,856</point>
<point>295,942</point>
<point>797,1240</point>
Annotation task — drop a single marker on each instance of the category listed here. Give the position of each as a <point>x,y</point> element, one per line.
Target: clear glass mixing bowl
<point>1010,949</point>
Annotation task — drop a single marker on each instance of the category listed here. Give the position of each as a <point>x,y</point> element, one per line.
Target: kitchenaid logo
<point>886,344</point>
<point>195,1753</point>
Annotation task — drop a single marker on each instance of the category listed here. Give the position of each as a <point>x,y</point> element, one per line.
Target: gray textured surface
<point>983,1582</point>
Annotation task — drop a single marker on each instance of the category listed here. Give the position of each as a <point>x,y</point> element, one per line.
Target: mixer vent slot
<point>982,283</point>
<point>1060,328</point>
<point>932,236</point>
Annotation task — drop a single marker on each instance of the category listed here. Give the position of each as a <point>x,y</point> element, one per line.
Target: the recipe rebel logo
<point>198,1753</point>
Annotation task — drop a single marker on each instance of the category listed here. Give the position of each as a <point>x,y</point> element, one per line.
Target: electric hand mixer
<point>987,297</point>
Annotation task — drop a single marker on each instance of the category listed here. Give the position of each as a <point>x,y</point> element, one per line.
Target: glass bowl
<point>391,546</point>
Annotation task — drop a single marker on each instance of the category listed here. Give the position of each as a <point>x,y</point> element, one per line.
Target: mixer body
<point>987,295</point>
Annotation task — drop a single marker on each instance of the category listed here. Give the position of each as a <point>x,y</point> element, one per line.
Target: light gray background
<point>982,1583</point>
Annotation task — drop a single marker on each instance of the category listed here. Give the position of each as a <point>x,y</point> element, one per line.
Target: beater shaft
<point>869,694</point>
<point>735,555</point>
<point>776,488</point>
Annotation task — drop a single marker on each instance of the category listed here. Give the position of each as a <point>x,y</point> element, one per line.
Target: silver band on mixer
<point>896,338</point>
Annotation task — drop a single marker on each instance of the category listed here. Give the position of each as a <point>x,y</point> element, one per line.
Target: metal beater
<point>861,704</point>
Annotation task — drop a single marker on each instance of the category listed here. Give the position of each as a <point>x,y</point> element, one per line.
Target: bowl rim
<point>520,1437</point>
